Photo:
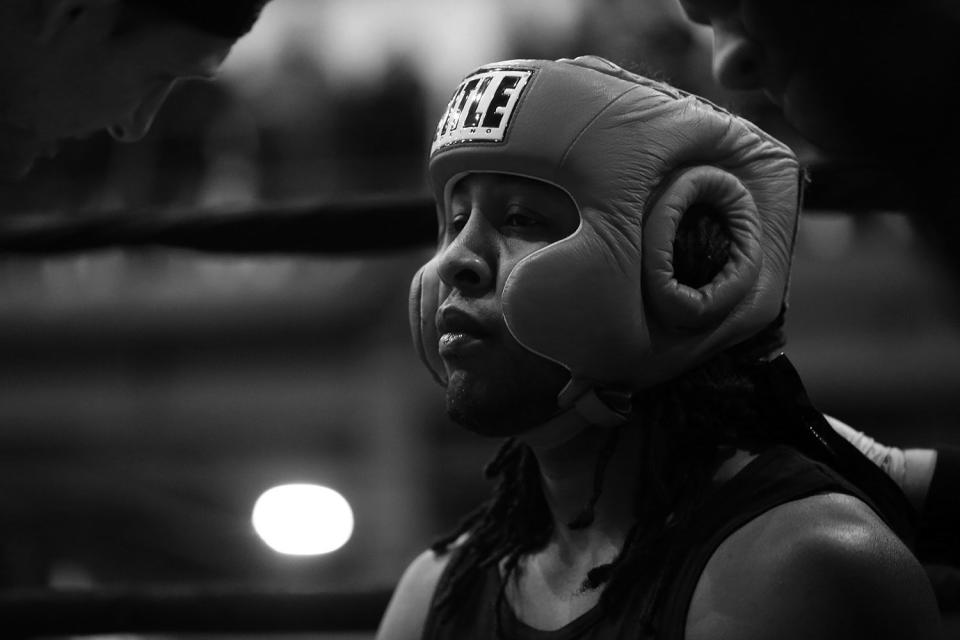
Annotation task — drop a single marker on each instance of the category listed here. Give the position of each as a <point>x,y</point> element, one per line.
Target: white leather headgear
<point>634,155</point>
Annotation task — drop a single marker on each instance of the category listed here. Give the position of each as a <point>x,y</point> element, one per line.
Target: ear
<point>677,305</point>
<point>58,17</point>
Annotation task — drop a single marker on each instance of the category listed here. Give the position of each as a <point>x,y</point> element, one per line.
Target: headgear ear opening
<point>676,304</point>
<point>702,246</point>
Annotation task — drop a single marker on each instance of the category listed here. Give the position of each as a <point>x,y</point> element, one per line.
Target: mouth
<point>460,333</point>
<point>458,345</point>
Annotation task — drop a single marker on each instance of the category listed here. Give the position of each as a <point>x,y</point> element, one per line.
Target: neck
<point>568,473</point>
<point>568,470</point>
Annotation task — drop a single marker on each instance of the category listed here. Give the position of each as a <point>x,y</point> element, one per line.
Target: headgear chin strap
<point>634,155</point>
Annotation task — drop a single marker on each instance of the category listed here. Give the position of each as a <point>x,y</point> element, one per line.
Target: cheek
<point>511,253</point>
<point>511,392</point>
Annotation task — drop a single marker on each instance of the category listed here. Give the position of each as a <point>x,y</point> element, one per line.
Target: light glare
<point>303,519</point>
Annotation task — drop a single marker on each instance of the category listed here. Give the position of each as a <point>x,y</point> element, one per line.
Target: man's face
<point>80,82</point>
<point>839,70</point>
<point>496,386</point>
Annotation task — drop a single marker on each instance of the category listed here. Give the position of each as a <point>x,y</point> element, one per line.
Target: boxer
<point>70,68</point>
<point>607,296</point>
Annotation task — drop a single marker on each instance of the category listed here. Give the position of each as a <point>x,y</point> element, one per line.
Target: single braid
<point>515,521</point>
<point>585,518</point>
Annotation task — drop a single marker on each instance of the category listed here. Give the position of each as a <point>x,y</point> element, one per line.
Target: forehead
<point>483,184</point>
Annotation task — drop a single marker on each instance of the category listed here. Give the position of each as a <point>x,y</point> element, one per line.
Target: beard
<point>509,403</point>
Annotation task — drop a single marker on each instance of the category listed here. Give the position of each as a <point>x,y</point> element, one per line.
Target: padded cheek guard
<point>424,302</point>
<point>634,155</point>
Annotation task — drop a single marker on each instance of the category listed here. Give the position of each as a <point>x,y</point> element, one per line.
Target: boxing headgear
<point>634,155</point>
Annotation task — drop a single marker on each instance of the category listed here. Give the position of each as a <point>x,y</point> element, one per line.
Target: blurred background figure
<point>74,67</point>
<point>831,81</point>
<point>864,85</point>
<point>149,397</point>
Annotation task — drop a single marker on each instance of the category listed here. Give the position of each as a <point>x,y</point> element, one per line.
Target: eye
<point>520,218</point>
<point>458,222</point>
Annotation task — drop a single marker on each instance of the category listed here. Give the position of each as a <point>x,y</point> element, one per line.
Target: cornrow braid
<point>585,518</point>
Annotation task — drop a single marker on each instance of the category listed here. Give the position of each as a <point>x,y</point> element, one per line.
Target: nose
<point>136,124</point>
<point>738,61</point>
<point>465,264</point>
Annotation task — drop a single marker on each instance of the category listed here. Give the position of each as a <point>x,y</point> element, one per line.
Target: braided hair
<point>688,426</point>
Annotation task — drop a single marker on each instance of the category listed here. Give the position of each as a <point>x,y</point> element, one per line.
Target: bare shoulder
<point>407,611</point>
<point>821,567</point>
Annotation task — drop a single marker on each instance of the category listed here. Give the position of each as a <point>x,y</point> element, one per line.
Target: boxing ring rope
<point>378,223</point>
<point>385,222</point>
<point>30,613</point>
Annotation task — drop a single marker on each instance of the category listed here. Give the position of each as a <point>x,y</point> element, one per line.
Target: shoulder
<point>821,567</point>
<point>407,611</point>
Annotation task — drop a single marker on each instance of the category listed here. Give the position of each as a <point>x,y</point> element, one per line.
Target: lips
<point>460,332</point>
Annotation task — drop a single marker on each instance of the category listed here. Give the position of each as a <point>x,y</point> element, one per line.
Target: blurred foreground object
<point>389,221</point>
<point>365,224</point>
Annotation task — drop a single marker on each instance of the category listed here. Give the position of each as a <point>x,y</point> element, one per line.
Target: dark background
<point>147,397</point>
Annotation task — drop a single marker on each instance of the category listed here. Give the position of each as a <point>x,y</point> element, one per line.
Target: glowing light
<point>303,519</point>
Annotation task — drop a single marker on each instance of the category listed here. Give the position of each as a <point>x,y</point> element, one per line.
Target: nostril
<point>463,267</point>
<point>468,277</point>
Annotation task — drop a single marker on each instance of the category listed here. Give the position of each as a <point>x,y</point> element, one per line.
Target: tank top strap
<point>479,597</point>
<point>777,476</point>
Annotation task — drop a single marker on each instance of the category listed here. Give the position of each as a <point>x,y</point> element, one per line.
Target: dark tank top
<point>777,476</point>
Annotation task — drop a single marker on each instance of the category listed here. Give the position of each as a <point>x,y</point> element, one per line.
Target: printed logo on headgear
<point>481,107</point>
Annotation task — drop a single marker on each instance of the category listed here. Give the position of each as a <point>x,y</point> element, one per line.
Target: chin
<point>498,409</point>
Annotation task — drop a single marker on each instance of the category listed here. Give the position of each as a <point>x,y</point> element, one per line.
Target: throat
<point>547,590</point>
<point>590,482</point>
